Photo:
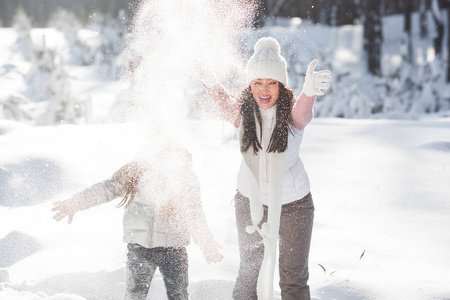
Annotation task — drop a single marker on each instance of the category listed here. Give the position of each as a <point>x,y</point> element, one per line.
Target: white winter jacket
<point>295,179</point>
<point>159,216</point>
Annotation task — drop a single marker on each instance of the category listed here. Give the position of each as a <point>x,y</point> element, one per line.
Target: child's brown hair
<point>130,176</point>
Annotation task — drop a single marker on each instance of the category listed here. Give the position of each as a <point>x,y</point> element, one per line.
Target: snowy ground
<point>380,189</point>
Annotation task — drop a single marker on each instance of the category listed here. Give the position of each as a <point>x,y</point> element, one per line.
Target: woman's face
<point>265,92</point>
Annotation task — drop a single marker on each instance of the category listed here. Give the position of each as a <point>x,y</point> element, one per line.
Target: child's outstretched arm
<point>94,195</point>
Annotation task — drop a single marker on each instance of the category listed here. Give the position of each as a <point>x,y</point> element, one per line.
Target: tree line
<point>369,13</point>
<point>41,10</point>
<point>328,12</point>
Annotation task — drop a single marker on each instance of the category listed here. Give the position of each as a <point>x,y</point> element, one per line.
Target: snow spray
<point>176,41</point>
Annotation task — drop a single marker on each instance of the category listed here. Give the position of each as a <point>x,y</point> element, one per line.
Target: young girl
<point>161,197</point>
<point>273,201</point>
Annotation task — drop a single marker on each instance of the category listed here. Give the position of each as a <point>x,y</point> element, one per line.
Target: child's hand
<point>211,252</point>
<point>64,209</point>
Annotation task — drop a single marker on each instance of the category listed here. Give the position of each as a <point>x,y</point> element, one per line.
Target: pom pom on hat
<point>269,43</point>
<point>266,62</point>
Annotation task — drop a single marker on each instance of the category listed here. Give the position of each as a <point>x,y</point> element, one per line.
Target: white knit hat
<point>266,62</point>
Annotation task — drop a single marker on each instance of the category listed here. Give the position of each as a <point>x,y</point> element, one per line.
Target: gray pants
<point>295,239</point>
<point>141,266</point>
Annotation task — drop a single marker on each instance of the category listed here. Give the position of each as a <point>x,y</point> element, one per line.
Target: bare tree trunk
<point>373,36</point>
<point>448,40</point>
<point>408,33</point>
<point>439,27</point>
<point>424,5</point>
<point>316,8</point>
<point>327,12</point>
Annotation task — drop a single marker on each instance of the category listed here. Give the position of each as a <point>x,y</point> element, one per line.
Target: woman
<point>161,197</point>
<point>273,191</point>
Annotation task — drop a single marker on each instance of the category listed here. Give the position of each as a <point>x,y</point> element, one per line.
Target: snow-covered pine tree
<point>15,107</point>
<point>49,85</point>
<point>67,22</point>
<point>22,25</point>
<point>110,42</point>
<point>410,91</point>
<point>352,94</point>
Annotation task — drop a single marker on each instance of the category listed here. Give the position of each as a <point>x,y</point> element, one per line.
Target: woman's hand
<point>211,252</point>
<point>207,77</point>
<point>315,82</point>
<point>64,209</point>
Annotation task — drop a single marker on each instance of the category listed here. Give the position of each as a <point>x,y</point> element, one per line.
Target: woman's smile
<point>265,99</point>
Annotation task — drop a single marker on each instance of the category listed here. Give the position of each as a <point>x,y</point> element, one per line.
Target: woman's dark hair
<point>279,139</point>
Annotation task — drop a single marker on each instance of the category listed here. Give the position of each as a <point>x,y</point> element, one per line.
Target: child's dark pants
<point>141,266</point>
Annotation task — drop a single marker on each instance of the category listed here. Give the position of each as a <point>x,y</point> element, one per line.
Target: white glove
<point>316,81</point>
